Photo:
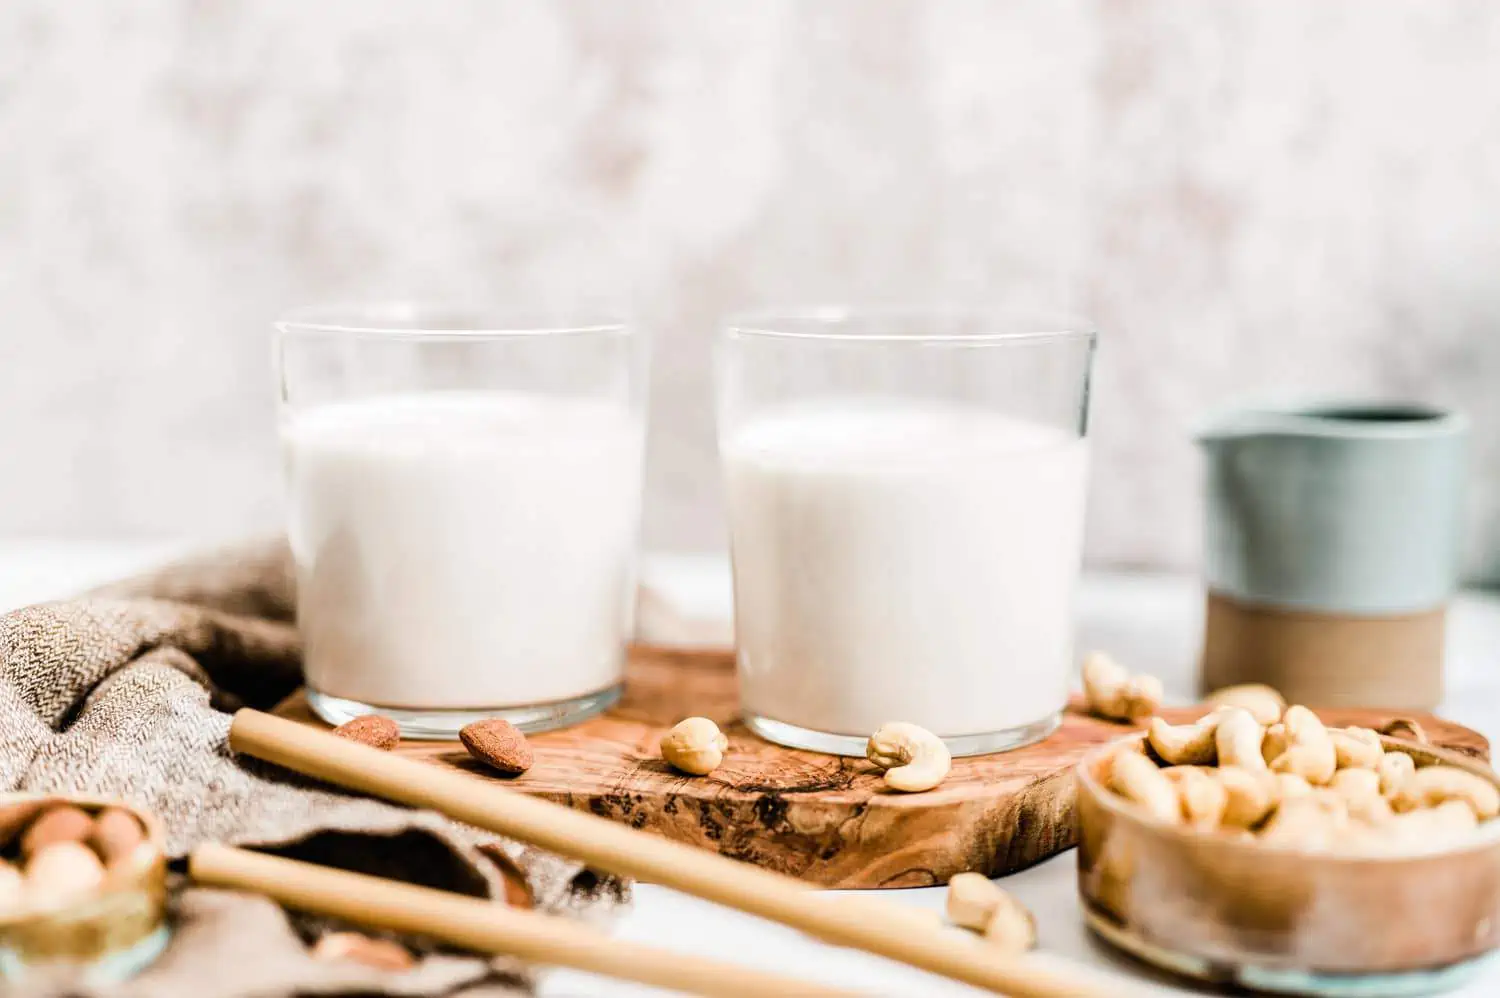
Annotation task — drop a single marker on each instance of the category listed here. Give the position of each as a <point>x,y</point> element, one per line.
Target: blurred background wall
<point>1247,196</point>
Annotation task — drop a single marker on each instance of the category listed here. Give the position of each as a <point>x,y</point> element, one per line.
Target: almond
<point>381,954</point>
<point>374,730</point>
<point>498,744</point>
<point>59,823</point>
<point>115,835</point>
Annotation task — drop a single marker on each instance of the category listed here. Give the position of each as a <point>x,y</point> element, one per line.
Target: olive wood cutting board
<point>825,819</point>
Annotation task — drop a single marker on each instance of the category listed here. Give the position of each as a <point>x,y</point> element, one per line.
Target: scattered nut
<point>1200,796</point>
<point>1249,794</point>
<point>1112,693</point>
<point>914,759</point>
<point>1405,727</point>
<point>1136,778</point>
<point>59,823</point>
<point>1264,703</point>
<point>374,730</point>
<point>972,899</point>
<point>695,746</point>
<point>382,954</point>
<point>1237,739</point>
<point>115,835</point>
<point>498,744</point>
<point>62,872</point>
<point>1011,927</point>
<point>1356,748</point>
<point>1431,786</point>
<point>1184,744</point>
<point>1394,769</point>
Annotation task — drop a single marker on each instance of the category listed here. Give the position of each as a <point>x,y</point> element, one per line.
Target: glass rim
<point>839,324</point>
<point>409,320</point>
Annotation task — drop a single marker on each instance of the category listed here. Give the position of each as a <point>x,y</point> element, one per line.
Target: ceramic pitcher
<point>1331,549</point>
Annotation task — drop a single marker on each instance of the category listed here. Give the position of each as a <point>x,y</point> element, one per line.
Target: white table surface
<point>1151,622</point>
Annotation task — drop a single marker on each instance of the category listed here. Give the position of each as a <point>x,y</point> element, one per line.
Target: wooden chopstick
<point>485,926</point>
<point>869,924</point>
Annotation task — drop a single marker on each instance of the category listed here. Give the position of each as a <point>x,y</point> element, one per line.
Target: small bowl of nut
<point>83,889</point>
<point>1257,848</point>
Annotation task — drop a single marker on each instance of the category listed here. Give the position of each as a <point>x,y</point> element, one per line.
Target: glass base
<point>443,725</point>
<point>793,736</point>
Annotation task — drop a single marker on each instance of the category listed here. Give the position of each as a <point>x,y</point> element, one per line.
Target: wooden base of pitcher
<point>1326,659</point>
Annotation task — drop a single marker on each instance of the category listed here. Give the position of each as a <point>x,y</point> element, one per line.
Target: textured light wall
<point>1246,196</point>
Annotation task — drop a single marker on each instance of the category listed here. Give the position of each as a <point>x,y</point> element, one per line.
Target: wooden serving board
<point>825,819</point>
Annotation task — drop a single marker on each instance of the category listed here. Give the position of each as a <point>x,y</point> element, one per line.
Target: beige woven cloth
<point>124,693</point>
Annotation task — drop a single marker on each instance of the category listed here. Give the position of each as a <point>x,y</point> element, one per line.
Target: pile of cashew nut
<point>913,759</point>
<point>1257,769</point>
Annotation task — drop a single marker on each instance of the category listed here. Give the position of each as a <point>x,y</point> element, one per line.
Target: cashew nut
<point>1312,821</point>
<point>1420,831</point>
<point>1290,785</point>
<point>914,759</point>
<point>1405,727</point>
<point>695,746</point>
<point>1011,927</point>
<point>1433,785</point>
<point>1356,748</point>
<point>1264,703</point>
<point>1136,778</point>
<point>1352,783</point>
<point>1237,739</point>
<point>1114,694</point>
<point>1274,742</point>
<point>61,873</point>
<point>1249,794</point>
<point>1360,789</point>
<point>1370,809</point>
<point>1201,797</point>
<point>1393,769</point>
<point>972,898</point>
<point>1309,752</point>
<point>1184,744</point>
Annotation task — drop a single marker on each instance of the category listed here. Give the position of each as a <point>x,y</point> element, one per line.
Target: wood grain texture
<point>826,819</point>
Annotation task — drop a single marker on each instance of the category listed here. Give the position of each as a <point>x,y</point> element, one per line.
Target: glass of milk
<point>464,493</point>
<point>906,504</point>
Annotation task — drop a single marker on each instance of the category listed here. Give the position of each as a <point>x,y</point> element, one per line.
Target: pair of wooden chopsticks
<point>870,924</point>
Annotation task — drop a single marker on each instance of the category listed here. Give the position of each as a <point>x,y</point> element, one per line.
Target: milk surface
<point>463,550</point>
<point>897,562</point>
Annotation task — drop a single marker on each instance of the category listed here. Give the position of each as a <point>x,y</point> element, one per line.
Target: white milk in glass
<point>463,551</point>
<point>904,562</point>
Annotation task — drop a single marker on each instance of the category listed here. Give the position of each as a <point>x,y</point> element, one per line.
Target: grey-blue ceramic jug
<point>1331,548</point>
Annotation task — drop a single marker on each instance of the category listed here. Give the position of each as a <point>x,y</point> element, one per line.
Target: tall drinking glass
<point>464,493</point>
<point>906,507</point>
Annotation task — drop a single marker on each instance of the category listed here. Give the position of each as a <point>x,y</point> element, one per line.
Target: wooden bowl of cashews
<point>1283,856</point>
